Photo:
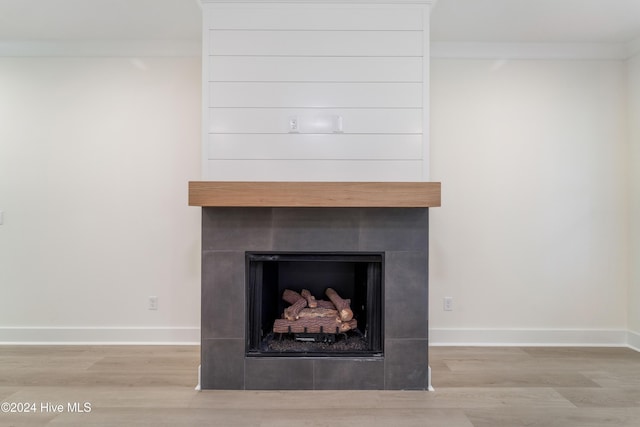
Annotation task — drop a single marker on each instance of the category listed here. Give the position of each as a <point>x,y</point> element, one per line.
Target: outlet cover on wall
<point>294,125</point>
<point>153,303</point>
<point>447,304</point>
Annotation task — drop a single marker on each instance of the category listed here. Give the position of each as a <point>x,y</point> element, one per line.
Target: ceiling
<point>536,21</point>
<point>490,21</point>
<point>99,20</point>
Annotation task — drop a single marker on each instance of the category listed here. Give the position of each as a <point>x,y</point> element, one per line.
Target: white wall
<point>95,156</point>
<point>531,240</point>
<point>634,158</point>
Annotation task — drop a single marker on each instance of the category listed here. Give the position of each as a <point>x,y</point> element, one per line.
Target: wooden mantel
<point>314,194</point>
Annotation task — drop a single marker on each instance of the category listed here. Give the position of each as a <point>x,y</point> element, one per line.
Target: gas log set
<point>306,315</point>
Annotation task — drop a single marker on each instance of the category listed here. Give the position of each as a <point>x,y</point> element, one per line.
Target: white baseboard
<point>633,340</point>
<point>529,337</point>
<point>100,335</point>
<point>437,337</point>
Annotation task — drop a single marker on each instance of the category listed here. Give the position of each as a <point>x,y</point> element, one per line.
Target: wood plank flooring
<point>475,387</point>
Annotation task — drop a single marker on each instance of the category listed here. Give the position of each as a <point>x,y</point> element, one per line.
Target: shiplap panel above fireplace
<point>315,16</point>
<point>353,76</point>
<point>266,121</point>
<point>315,43</point>
<point>316,170</point>
<point>314,146</point>
<point>315,95</point>
<point>313,69</point>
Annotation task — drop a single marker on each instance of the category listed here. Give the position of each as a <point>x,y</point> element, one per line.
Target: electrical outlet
<point>293,124</point>
<point>447,304</point>
<point>337,124</point>
<point>153,303</point>
<point>1,217</point>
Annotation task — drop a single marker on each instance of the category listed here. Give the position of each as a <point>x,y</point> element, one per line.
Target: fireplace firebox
<point>290,304</point>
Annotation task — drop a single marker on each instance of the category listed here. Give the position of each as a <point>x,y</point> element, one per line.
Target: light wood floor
<point>480,387</point>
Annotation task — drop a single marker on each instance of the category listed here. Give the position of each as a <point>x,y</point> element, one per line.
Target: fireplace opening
<point>314,304</point>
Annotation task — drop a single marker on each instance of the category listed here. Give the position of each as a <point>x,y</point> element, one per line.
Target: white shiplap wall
<point>266,63</point>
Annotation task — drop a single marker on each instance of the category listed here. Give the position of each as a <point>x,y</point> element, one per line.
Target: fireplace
<point>320,304</point>
<point>314,160</point>
<point>367,241</point>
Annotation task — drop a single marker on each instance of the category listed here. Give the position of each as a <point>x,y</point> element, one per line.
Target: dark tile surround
<point>402,233</point>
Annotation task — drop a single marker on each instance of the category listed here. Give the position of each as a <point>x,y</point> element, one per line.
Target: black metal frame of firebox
<point>372,330</point>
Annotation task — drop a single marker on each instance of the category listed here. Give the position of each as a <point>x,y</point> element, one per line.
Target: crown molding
<point>464,50</point>
<point>446,50</point>
<point>121,48</point>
